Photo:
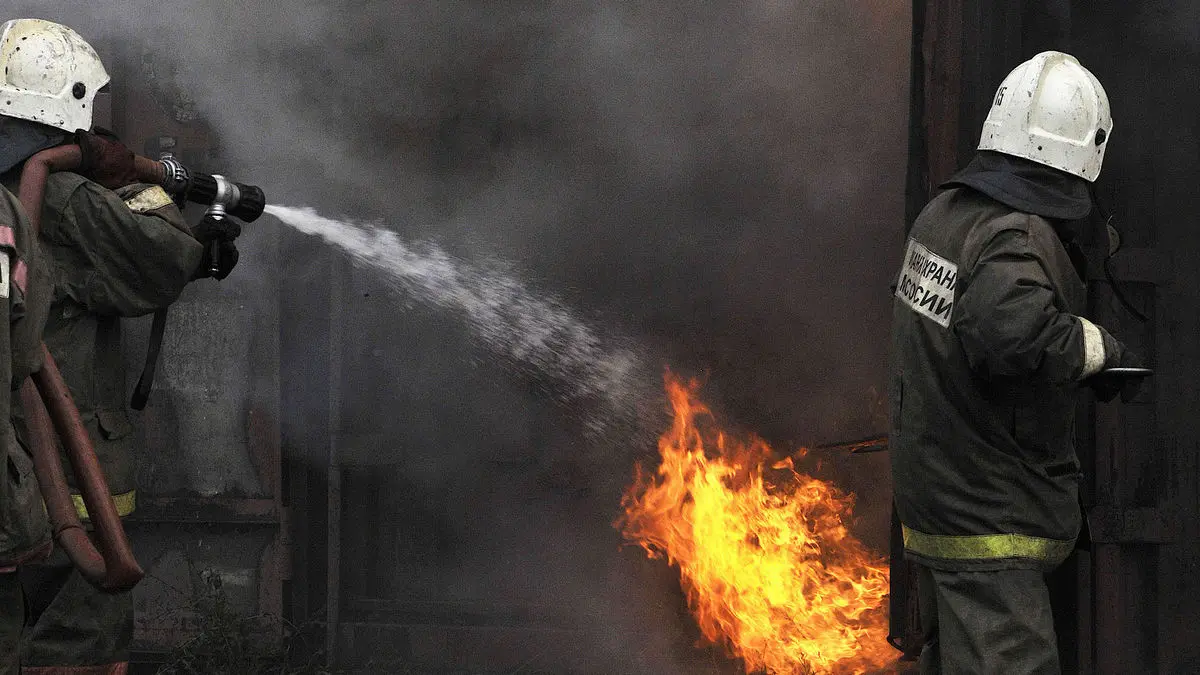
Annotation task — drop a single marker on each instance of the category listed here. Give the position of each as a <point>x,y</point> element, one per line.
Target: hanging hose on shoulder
<point>50,411</point>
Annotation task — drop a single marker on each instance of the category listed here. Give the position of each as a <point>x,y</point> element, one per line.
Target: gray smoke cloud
<point>721,183</point>
<point>725,180</point>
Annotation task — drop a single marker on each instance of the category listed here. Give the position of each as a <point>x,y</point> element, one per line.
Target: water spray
<point>534,332</point>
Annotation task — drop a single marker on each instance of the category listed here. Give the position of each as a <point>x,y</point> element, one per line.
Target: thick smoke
<point>724,181</point>
<point>721,183</point>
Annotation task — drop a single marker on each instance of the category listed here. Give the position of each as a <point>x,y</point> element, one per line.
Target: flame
<point>769,568</point>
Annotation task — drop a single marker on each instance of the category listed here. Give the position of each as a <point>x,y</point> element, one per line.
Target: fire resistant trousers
<point>987,623</point>
<point>12,616</point>
<point>72,627</point>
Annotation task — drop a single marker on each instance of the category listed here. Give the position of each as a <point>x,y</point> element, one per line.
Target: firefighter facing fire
<point>115,248</point>
<point>989,351</point>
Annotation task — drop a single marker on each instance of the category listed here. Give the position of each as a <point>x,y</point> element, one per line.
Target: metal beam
<point>333,550</point>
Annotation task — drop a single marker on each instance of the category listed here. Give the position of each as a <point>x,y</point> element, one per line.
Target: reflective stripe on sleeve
<point>20,274</point>
<point>126,503</point>
<point>150,199</point>
<point>1093,348</point>
<point>986,546</point>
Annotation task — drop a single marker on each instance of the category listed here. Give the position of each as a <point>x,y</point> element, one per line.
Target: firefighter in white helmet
<point>51,74</point>
<point>989,350</point>
<point>118,248</point>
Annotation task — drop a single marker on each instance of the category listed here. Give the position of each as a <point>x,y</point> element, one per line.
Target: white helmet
<point>1052,111</point>
<point>50,74</point>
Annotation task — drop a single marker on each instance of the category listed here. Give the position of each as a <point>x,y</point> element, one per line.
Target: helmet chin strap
<point>1111,232</point>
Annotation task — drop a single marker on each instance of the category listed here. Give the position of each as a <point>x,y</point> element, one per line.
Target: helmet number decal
<point>1000,96</point>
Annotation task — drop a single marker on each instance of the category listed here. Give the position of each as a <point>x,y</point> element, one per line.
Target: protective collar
<point>22,139</point>
<point>1026,186</point>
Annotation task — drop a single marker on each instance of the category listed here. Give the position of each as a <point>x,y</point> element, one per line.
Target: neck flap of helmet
<point>21,139</point>
<point>1026,186</point>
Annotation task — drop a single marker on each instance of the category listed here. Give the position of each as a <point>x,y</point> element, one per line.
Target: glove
<point>106,160</point>
<point>217,236</point>
<point>1106,387</point>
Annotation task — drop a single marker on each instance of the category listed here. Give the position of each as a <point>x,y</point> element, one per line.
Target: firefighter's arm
<point>137,251</point>
<point>1008,325</point>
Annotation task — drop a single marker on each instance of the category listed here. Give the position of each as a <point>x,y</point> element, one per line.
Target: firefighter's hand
<point>220,256</point>
<point>106,160</point>
<point>1108,385</point>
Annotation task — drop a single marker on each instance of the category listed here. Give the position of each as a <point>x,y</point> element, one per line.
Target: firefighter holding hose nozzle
<point>116,245</point>
<point>989,352</point>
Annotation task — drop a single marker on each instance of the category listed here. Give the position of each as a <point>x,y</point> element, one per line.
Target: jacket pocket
<point>1024,426</point>
<point>114,423</point>
<point>1045,435</point>
<point>23,522</point>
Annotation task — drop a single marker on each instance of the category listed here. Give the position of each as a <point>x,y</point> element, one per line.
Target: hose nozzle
<point>222,196</point>
<point>225,197</point>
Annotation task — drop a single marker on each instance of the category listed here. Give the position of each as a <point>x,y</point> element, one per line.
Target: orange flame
<point>769,568</point>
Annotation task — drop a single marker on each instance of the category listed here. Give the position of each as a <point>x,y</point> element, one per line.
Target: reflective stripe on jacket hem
<point>125,502</point>
<point>986,546</point>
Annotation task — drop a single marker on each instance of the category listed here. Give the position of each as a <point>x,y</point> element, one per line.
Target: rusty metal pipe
<point>49,407</point>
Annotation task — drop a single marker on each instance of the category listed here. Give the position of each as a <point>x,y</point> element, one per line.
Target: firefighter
<point>24,529</point>
<point>989,352</point>
<point>117,248</point>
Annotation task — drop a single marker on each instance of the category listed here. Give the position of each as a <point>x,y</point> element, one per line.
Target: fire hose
<point>222,196</point>
<point>50,410</point>
<point>46,399</point>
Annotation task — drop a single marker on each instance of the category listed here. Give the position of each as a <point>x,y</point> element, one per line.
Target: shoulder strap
<point>141,393</point>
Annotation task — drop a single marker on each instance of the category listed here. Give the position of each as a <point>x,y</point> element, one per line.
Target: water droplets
<point>528,330</point>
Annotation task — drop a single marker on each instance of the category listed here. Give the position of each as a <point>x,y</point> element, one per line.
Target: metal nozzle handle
<point>1125,372</point>
<point>214,257</point>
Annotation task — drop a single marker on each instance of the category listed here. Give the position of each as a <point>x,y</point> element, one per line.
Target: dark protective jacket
<point>111,255</point>
<point>24,302</point>
<point>988,353</point>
